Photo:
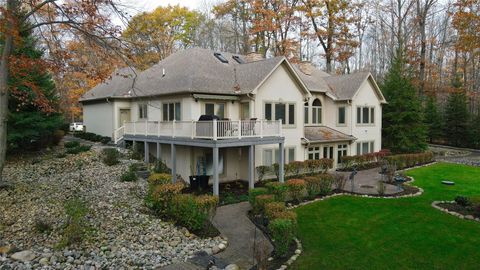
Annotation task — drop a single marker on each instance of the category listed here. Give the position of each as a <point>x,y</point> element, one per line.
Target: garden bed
<point>230,192</point>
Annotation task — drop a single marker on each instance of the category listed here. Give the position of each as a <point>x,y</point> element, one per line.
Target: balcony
<point>204,130</point>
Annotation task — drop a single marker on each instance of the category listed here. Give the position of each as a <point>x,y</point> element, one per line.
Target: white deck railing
<point>213,130</point>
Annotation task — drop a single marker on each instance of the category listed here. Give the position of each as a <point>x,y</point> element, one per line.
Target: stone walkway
<point>242,234</point>
<point>366,182</point>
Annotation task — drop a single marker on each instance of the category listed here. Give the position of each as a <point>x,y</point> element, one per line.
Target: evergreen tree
<point>29,125</point>
<point>475,131</point>
<point>457,119</point>
<point>404,130</point>
<point>433,120</point>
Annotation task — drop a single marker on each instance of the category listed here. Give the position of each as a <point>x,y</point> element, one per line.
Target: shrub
<point>159,197</point>
<point>42,225</point>
<point>76,225</point>
<point>128,176</point>
<point>340,180</point>
<point>254,192</point>
<point>136,155</point>
<point>110,156</point>
<point>156,179</point>
<point>476,210</point>
<point>192,212</point>
<point>272,209</point>
<point>262,171</point>
<point>326,181</point>
<point>71,144</point>
<point>463,201</point>
<point>311,165</point>
<point>287,214</point>
<point>84,148</point>
<point>283,232</point>
<point>288,169</point>
<point>161,167</point>
<point>296,189</point>
<point>78,149</point>
<point>57,136</point>
<point>260,201</point>
<point>279,190</point>
<point>276,170</point>
<point>312,185</point>
<point>105,140</point>
<point>297,167</point>
<point>325,164</point>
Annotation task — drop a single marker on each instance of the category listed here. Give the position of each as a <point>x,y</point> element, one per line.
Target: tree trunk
<point>7,50</point>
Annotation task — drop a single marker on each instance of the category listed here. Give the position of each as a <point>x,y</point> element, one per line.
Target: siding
<point>98,118</point>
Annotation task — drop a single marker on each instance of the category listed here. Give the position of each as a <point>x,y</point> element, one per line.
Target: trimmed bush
<point>272,209</point>
<point>192,212</point>
<point>262,171</point>
<point>287,214</point>
<point>161,167</point>
<point>156,179</point>
<point>128,176</point>
<point>296,189</point>
<point>254,192</point>
<point>463,201</point>
<point>283,232</point>
<point>161,196</point>
<point>326,181</point>
<point>312,185</point>
<point>297,167</point>
<point>71,144</point>
<point>260,201</point>
<point>339,180</point>
<point>410,160</point>
<point>110,156</point>
<point>279,190</point>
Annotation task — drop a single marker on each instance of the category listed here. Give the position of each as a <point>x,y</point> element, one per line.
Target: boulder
<point>23,256</point>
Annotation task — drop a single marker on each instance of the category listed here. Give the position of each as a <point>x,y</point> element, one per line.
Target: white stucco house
<point>269,111</point>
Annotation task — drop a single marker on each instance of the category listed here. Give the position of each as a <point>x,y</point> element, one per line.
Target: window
<point>341,115</point>
<point>238,59</point>
<point>316,112</point>
<point>365,115</point>
<point>209,109</point>
<point>142,111</point>
<point>328,152</point>
<point>245,110</point>
<point>305,113</point>
<point>341,152</point>
<point>283,111</point>
<point>365,147</point>
<point>271,156</point>
<point>172,111</point>
<point>314,152</point>
<point>215,109</point>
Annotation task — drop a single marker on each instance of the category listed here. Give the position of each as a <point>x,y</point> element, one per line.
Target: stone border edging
<point>294,257</point>
<point>435,204</point>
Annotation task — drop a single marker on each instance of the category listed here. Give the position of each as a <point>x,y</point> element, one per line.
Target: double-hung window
<point>365,147</point>
<point>172,111</point>
<point>143,111</point>
<point>342,115</point>
<point>365,115</point>
<point>283,111</point>
<point>271,156</point>
<point>316,112</point>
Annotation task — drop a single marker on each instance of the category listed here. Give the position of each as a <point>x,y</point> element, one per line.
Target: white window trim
<point>274,157</point>
<point>287,112</point>
<point>171,102</point>
<point>312,110</point>
<point>370,149</point>
<point>215,107</point>
<point>142,117</point>
<point>369,113</point>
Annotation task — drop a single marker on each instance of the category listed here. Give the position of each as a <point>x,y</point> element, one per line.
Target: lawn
<point>406,233</point>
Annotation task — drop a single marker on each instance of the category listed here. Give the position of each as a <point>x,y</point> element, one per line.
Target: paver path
<point>366,182</point>
<point>232,222</point>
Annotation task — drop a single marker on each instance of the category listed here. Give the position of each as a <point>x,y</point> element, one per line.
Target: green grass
<point>406,233</point>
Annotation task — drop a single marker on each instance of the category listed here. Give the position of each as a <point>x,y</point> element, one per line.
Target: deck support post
<point>159,151</point>
<point>215,172</point>
<point>281,163</point>
<point>173,157</point>
<point>147,154</point>
<point>251,167</point>
<point>134,146</point>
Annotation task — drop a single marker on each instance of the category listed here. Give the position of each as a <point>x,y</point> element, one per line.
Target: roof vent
<point>220,57</point>
<point>238,59</point>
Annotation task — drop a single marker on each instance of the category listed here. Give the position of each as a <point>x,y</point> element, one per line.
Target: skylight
<point>238,59</point>
<point>220,57</point>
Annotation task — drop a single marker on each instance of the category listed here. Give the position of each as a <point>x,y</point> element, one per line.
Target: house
<point>269,111</point>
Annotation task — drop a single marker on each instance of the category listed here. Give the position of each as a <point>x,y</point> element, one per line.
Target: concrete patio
<point>366,182</point>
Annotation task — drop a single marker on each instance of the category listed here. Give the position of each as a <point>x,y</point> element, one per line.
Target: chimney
<point>306,67</point>
<point>253,56</point>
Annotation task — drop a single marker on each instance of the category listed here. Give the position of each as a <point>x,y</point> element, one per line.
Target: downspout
<point>252,109</point>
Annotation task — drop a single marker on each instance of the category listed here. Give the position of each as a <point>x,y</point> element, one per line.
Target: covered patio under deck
<point>215,145</point>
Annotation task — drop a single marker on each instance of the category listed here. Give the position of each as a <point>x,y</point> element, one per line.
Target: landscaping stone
<point>125,234</point>
<point>23,256</point>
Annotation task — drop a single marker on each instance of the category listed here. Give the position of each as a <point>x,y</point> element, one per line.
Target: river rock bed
<point>122,233</point>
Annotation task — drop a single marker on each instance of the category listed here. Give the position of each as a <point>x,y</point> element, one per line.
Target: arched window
<point>306,112</point>
<point>317,112</point>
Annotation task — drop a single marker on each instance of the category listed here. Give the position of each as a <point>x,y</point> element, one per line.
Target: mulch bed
<point>230,192</point>
<point>454,207</point>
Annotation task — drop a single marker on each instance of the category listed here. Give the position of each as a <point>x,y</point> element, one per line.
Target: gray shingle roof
<point>326,134</point>
<point>197,70</point>
<point>194,70</point>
